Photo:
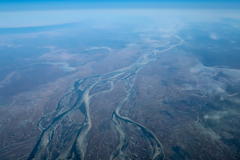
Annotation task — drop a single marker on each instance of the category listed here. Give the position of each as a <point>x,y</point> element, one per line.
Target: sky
<point>59,4</point>
<point>119,0</point>
<point>34,13</point>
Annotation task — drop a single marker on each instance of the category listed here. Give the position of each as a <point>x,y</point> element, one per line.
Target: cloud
<point>63,66</point>
<point>10,45</point>
<point>50,47</point>
<point>58,54</point>
<point>95,48</point>
<point>214,36</point>
<point>216,115</point>
<point>61,56</point>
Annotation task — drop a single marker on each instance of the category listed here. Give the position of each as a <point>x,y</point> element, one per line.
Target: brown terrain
<point>139,102</point>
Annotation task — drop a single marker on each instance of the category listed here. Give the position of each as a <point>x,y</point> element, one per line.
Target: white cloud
<point>216,115</point>
<point>95,48</point>
<point>214,36</point>
<point>50,47</point>
<point>10,45</point>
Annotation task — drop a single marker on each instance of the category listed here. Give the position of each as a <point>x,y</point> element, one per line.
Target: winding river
<point>78,149</point>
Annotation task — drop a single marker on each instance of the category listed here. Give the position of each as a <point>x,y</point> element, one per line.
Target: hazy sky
<point>59,4</point>
<point>32,13</point>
